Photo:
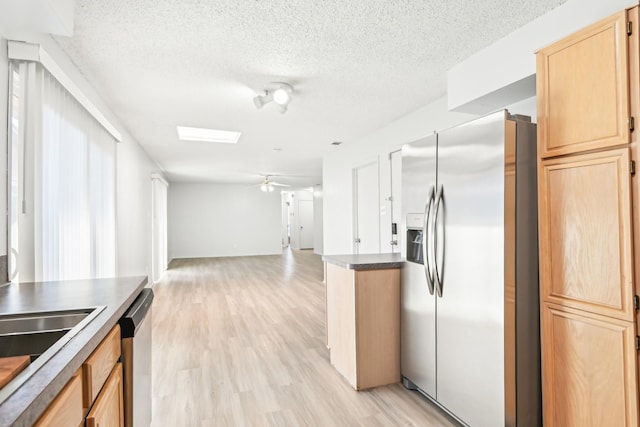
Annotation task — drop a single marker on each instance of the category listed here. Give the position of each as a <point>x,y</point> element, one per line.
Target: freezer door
<point>470,261</point>
<point>418,328</point>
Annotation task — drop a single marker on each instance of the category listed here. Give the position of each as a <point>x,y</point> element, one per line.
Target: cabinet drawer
<point>66,409</point>
<point>108,409</point>
<point>99,365</point>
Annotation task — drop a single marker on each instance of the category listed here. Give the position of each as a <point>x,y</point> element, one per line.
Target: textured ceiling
<point>355,66</point>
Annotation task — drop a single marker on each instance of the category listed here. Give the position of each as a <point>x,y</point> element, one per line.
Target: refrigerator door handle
<point>426,239</point>
<point>438,241</point>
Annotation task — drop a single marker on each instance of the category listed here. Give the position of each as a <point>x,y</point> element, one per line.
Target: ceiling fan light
<point>271,188</point>
<point>263,187</point>
<point>281,96</point>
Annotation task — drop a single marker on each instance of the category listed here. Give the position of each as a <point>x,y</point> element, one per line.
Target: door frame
<point>354,230</point>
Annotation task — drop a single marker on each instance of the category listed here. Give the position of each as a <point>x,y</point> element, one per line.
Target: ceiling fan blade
<point>279,185</point>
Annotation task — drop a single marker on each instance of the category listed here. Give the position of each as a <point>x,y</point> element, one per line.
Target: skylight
<point>207,135</point>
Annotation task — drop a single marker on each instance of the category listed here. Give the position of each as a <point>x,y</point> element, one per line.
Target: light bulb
<point>263,187</point>
<point>270,188</point>
<point>281,96</point>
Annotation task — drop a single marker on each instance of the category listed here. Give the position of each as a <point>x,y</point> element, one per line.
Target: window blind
<point>62,174</point>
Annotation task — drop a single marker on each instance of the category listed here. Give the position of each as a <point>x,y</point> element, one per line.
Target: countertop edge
<point>361,262</point>
<point>26,405</point>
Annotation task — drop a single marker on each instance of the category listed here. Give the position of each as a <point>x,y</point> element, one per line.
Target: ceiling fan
<point>268,185</point>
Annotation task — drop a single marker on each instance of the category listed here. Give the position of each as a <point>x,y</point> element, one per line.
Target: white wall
<point>337,177</point>
<point>213,220</point>
<point>526,107</point>
<point>133,167</point>
<point>51,16</point>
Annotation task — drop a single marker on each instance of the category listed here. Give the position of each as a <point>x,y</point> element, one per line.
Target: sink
<point>34,333</point>
<point>33,344</point>
<point>12,324</point>
<point>39,335</point>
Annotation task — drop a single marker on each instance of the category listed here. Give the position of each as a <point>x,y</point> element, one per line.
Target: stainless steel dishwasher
<point>135,328</point>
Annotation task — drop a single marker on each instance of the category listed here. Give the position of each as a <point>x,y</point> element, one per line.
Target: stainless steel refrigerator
<point>470,320</point>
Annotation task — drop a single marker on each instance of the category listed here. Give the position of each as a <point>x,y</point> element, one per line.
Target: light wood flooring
<point>241,342</point>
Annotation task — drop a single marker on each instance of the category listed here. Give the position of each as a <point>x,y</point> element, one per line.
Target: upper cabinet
<point>583,95</point>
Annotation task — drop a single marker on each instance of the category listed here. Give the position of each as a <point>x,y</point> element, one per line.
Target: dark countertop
<point>365,261</point>
<point>28,402</point>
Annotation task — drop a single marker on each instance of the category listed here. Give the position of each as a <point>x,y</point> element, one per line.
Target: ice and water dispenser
<point>415,224</point>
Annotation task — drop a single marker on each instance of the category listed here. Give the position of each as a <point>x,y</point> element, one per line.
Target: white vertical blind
<point>16,133</point>
<point>102,202</point>
<point>70,206</point>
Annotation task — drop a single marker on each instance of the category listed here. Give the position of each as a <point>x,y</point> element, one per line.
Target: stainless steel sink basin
<point>39,335</point>
<point>40,322</point>
<point>34,333</point>
<point>32,344</point>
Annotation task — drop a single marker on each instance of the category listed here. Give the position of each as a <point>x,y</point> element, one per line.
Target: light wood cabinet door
<point>589,369</point>
<point>99,365</point>
<point>583,90</point>
<point>585,233</point>
<point>377,327</point>
<point>341,325</point>
<point>108,409</point>
<point>66,409</point>
<point>363,325</point>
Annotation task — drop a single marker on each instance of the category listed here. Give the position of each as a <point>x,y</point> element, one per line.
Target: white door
<point>287,199</point>
<point>305,222</point>
<point>367,213</point>
<point>396,177</point>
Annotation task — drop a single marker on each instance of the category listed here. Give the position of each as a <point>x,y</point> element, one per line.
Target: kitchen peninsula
<point>363,317</point>
<point>114,295</point>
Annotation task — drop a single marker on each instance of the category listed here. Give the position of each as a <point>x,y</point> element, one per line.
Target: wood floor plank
<point>240,341</point>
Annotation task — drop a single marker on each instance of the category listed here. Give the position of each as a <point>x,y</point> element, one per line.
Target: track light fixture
<point>278,92</point>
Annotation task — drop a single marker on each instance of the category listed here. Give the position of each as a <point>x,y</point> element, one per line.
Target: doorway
<point>297,219</point>
<point>366,209</point>
<point>305,223</point>
<point>396,187</point>
<point>287,213</point>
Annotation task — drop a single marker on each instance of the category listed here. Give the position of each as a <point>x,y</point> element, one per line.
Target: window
<point>62,183</point>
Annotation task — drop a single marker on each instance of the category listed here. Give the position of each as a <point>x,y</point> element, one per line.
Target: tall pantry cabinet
<point>587,92</point>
